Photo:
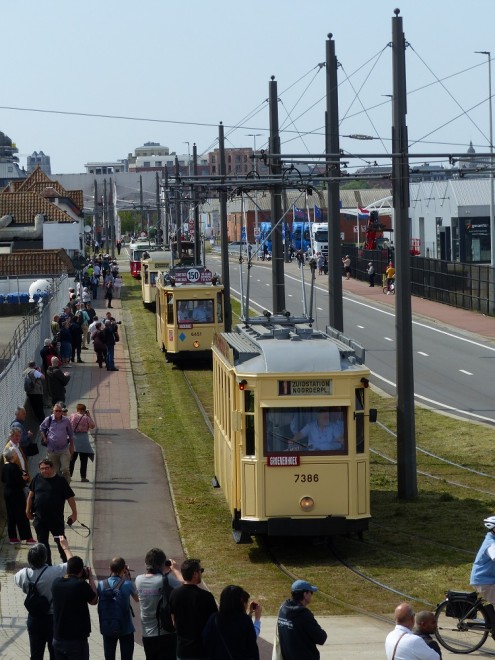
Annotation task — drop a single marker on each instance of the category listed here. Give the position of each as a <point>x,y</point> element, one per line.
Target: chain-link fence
<point>25,346</point>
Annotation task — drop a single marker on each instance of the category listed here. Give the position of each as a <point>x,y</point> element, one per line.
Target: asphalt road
<point>453,370</point>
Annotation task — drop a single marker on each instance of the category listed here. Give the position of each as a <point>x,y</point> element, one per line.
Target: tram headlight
<point>306,503</point>
<point>196,343</point>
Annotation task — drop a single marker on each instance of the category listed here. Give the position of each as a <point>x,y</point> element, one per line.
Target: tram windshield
<point>305,430</point>
<point>196,311</point>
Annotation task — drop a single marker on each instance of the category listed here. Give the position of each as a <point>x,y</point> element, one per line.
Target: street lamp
<point>188,158</point>
<point>256,216</point>
<point>491,299</point>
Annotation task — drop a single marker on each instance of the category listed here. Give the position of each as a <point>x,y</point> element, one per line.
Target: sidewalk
<point>127,476</point>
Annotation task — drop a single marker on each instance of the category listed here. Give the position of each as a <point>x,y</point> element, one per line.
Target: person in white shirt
<point>402,643</point>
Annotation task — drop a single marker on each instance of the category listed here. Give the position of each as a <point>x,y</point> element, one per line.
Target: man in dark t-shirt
<point>71,623</point>
<point>191,608</point>
<point>48,493</point>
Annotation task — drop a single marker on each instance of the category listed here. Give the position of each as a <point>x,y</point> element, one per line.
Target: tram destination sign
<point>197,275</point>
<point>283,460</point>
<point>305,387</point>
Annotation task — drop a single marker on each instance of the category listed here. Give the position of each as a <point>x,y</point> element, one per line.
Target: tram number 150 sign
<point>193,275</point>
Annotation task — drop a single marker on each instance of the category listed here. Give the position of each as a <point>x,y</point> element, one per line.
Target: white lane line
<point>424,354</point>
<point>438,404</point>
<point>463,371</point>
<point>360,326</point>
<point>320,309</point>
<point>388,338</point>
<point>421,325</point>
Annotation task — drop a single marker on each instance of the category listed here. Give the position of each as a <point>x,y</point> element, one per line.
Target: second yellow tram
<point>291,429</point>
<point>152,263</point>
<point>189,311</point>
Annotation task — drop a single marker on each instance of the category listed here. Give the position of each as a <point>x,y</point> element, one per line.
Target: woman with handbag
<point>15,480</point>
<point>81,424</point>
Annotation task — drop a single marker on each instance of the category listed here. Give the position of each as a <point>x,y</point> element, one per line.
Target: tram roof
<point>283,350</point>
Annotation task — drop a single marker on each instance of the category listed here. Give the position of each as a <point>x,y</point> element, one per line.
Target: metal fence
<point>467,286</point>
<point>24,347</point>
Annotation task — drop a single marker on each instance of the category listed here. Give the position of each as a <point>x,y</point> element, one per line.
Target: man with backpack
<point>154,588</point>
<point>36,582</point>
<point>115,612</point>
<point>33,386</point>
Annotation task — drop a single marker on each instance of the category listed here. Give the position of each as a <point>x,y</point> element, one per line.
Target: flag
<point>298,214</point>
<point>317,212</point>
<point>363,214</point>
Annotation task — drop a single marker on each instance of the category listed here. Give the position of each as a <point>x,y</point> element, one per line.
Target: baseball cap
<point>302,585</point>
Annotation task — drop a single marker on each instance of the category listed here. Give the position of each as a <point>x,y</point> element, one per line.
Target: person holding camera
<point>40,626</point>
<point>191,607</point>
<point>71,596</point>
<point>48,493</point>
<point>158,644</point>
<point>231,633</point>
<point>109,605</point>
<point>81,423</point>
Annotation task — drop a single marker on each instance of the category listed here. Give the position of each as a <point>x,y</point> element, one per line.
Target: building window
<point>147,163</point>
<point>158,163</point>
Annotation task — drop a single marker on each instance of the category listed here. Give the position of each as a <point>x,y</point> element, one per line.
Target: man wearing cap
<point>297,628</point>
<point>371,274</point>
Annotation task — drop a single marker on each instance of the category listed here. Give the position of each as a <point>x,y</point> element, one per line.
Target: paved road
<point>453,349</point>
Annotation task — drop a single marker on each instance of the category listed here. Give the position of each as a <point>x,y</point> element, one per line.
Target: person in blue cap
<point>297,629</point>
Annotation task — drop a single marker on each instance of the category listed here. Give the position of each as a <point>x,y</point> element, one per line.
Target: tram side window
<point>219,307</point>
<point>249,413</point>
<point>170,308</point>
<point>145,274</point>
<point>359,420</point>
<point>153,276</point>
<point>305,430</point>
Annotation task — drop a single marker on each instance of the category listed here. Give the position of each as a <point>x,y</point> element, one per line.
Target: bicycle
<point>464,621</point>
<point>389,289</point>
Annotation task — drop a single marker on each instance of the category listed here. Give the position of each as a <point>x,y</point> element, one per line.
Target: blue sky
<point>205,61</point>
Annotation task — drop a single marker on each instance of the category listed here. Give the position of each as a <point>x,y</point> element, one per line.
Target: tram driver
<point>322,434</point>
<point>202,312</point>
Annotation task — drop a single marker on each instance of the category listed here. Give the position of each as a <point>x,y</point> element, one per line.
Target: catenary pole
<point>406,433</point>
<point>195,199</point>
<point>336,314</point>
<point>278,290</point>
<point>178,211</point>
<point>223,231</point>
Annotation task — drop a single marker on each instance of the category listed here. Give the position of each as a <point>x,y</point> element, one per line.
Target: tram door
<point>247,459</point>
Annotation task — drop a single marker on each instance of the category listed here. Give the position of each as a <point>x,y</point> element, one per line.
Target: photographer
<point>115,613</point>
<point>40,627</point>
<point>71,622</point>
<point>158,643</point>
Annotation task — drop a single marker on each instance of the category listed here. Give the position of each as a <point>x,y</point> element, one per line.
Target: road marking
<point>421,353</point>
<point>320,309</point>
<point>388,338</point>
<point>437,404</point>
<point>421,325</point>
<point>463,371</point>
<point>360,326</point>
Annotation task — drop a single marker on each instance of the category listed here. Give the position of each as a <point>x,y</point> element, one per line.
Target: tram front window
<point>305,430</point>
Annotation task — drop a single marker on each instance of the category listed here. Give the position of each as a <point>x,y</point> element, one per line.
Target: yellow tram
<point>291,429</point>
<point>189,311</point>
<point>152,263</point>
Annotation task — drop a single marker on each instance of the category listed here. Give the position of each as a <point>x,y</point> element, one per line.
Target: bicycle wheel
<point>461,634</point>
<point>385,289</point>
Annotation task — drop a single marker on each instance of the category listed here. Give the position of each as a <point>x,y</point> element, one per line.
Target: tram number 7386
<point>306,478</point>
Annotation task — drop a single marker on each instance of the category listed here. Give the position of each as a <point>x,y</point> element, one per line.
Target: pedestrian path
<point>128,508</point>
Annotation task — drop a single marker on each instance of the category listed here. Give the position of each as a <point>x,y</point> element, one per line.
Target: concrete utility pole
<point>278,284</point>
<point>406,432</point>
<point>195,200</point>
<point>159,227</point>
<point>105,214</point>
<point>141,203</point>
<point>178,210</point>
<point>223,230</point>
<point>112,221</point>
<point>96,225</point>
<point>332,144</point>
<point>166,237</point>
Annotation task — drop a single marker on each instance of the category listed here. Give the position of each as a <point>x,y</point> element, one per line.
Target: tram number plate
<point>306,478</point>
